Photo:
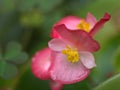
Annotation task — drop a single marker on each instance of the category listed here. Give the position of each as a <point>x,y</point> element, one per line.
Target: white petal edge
<point>87,59</point>
<point>57,44</point>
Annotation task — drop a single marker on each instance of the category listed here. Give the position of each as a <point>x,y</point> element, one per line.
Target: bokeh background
<point>25,27</point>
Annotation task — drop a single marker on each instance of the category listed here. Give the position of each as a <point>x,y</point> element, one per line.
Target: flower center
<point>84,25</point>
<point>72,54</point>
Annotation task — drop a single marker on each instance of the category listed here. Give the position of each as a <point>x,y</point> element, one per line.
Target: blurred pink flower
<point>40,67</point>
<point>69,58</point>
<point>72,59</point>
<point>41,63</point>
<point>89,24</point>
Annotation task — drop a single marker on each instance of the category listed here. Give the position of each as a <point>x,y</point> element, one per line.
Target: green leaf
<point>7,70</point>
<point>110,84</point>
<point>13,49</point>
<point>21,58</point>
<point>116,59</point>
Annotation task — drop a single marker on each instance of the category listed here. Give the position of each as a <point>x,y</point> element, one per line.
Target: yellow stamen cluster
<point>72,55</point>
<point>84,25</point>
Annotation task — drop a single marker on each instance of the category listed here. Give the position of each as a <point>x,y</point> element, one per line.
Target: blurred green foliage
<point>11,56</point>
<point>116,60</point>
<point>7,70</point>
<point>29,22</point>
<point>111,84</point>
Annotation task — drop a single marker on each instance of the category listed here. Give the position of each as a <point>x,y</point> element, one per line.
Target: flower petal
<point>65,72</point>
<point>41,64</point>
<point>100,24</point>
<point>70,22</point>
<point>87,59</point>
<point>91,19</point>
<point>78,38</point>
<point>56,44</point>
<point>56,85</point>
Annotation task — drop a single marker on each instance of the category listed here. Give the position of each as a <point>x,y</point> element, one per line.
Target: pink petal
<point>91,19</point>
<point>87,59</point>
<point>54,34</point>
<point>41,64</point>
<point>78,38</point>
<point>70,22</point>
<point>100,24</point>
<point>56,85</point>
<point>65,72</point>
<point>56,44</point>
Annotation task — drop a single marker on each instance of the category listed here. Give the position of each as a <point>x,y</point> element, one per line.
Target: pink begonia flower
<point>90,24</point>
<point>40,67</point>
<point>72,57</point>
<point>69,59</point>
<point>41,64</point>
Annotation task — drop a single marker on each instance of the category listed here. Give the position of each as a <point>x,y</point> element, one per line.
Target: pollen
<point>72,54</point>
<point>84,26</point>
